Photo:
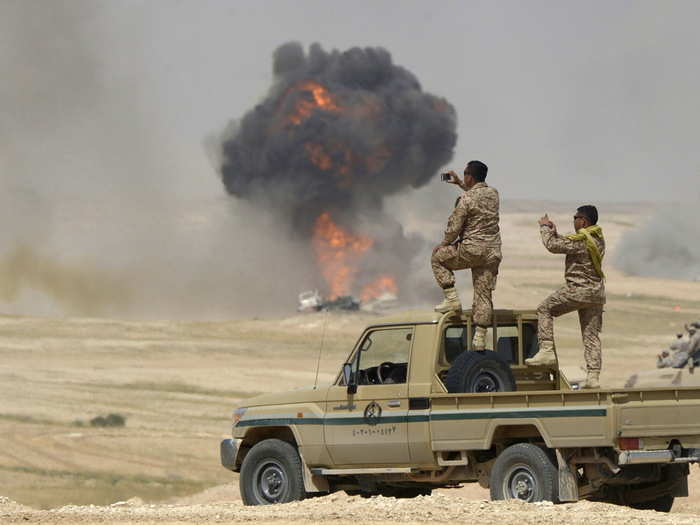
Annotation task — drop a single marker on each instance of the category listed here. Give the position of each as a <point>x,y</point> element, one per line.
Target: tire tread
<point>529,454</point>
<point>286,454</point>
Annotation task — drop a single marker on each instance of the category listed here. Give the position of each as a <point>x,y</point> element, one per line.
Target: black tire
<point>271,473</point>
<point>524,471</point>
<point>483,371</point>
<point>660,504</point>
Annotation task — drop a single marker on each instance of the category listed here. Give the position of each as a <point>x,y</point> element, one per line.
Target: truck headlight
<point>238,414</point>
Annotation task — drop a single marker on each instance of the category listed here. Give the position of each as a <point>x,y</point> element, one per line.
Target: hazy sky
<point>563,100</point>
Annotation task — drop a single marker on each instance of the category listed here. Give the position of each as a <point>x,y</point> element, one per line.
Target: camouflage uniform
<point>472,240</point>
<point>693,343</point>
<point>584,291</point>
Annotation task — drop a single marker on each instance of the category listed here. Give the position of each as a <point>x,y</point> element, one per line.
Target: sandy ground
<point>176,384</point>
<point>343,510</point>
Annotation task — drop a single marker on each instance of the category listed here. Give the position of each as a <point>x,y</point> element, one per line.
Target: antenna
<point>320,350</point>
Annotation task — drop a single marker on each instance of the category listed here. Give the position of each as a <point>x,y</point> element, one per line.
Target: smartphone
<point>445,177</point>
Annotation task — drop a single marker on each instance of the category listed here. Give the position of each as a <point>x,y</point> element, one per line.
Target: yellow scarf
<point>587,234</point>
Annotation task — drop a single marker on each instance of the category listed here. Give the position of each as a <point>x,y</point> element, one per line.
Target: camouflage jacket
<point>475,218</point>
<point>579,272</point>
<point>694,343</point>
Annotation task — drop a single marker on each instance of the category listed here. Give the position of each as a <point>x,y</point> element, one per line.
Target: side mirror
<point>366,345</point>
<point>349,380</point>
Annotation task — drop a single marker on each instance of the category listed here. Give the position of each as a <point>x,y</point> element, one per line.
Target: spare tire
<point>479,372</point>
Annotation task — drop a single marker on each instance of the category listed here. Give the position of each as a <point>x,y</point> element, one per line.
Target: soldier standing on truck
<point>584,290</point>
<point>472,240</point>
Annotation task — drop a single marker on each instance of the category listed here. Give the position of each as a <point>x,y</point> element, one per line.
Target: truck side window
<point>455,342</point>
<point>530,343</point>
<point>384,355</point>
<point>507,343</point>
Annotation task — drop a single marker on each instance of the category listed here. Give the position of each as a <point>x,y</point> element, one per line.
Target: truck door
<point>370,426</point>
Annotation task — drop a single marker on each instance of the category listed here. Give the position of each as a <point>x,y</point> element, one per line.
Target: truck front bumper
<point>229,449</point>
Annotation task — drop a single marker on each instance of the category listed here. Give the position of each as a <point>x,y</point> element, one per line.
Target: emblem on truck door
<point>372,413</point>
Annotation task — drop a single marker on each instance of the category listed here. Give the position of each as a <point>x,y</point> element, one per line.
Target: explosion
<point>337,133</point>
<point>338,253</point>
<point>311,96</point>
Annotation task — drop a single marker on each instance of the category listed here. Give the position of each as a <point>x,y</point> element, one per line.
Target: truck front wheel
<point>271,473</point>
<point>523,471</point>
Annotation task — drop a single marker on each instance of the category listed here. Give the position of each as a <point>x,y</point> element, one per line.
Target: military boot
<point>545,357</point>
<point>451,302</point>
<point>592,377</point>
<point>479,341</point>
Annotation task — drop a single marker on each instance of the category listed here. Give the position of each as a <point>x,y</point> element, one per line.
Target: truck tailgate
<point>658,412</point>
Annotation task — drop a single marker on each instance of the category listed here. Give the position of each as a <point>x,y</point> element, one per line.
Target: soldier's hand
<point>437,248</point>
<point>454,178</point>
<point>544,221</point>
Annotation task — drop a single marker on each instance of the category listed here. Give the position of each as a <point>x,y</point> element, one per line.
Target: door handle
<point>394,403</point>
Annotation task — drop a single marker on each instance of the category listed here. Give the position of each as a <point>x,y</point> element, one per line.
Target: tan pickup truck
<point>414,408</point>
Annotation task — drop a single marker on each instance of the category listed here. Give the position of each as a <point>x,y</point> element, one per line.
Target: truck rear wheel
<point>479,372</point>
<point>524,471</point>
<point>271,473</point>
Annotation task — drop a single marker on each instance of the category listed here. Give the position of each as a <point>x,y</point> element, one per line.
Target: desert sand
<point>177,382</point>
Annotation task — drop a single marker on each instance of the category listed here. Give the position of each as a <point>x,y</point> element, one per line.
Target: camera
<point>445,177</point>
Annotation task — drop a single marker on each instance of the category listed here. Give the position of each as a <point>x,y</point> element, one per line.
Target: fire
<point>314,96</point>
<point>338,253</point>
<point>333,158</point>
<point>318,156</point>
<point>341,162</point>
<point>383,284</point>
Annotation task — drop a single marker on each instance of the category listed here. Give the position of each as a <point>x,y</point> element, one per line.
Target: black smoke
<point>338,132</point>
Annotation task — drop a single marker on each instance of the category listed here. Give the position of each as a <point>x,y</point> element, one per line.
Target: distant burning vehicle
<point>310,301</point>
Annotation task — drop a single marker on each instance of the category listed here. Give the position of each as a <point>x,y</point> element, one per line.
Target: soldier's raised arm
<point>556,243</point>
<point>454,179</point>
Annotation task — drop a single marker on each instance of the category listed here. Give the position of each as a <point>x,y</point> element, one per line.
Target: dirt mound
<point>342,509</point>
<point>7,506</point>
<point>220,494</point>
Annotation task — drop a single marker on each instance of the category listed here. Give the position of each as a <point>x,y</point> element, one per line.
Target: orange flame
<point>315,96</point>
<point>338,253</point>
<point>383,284</point>
<point>318,156</point>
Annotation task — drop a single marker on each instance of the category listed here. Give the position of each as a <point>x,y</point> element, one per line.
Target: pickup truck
<point>413,408</point>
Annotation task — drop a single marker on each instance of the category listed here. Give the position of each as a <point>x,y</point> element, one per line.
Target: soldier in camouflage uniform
<point>693,342</point>
<point>584,291</point>
<point>472,240</point>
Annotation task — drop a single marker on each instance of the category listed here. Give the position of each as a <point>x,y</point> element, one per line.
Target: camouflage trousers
<point>590,316</point>
<point>484,266</point>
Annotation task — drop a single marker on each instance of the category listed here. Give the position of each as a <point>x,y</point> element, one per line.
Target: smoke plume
<point>76,289</point>
<point>666,246</point>
<point>337,133</point>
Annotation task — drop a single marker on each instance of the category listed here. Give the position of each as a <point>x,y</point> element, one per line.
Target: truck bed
<point>567,418</point>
